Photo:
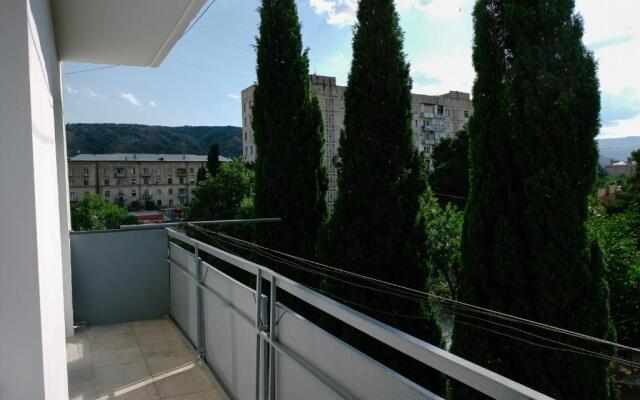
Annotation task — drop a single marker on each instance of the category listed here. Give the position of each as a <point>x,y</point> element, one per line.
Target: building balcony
<point>119,174</point>
<point>434,128</point>
<point>164,314</point>
<point>183,195</point>
<point>181,171</point>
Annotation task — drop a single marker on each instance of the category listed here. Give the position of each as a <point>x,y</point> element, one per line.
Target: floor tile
<point>186,380</point>
<point>208,395</point>
<point>79,355</point>
<point>145,390</point>
<point>155,333</point>
<point>167,355</point>
<point>102,358</point>
<point>106,330</point>
<point>115,377</point>
<point>114,341</point>
<point>81,385</point>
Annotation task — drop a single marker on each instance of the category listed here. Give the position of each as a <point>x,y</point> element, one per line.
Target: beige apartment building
<point>434,118</point>
<point>167,180</point>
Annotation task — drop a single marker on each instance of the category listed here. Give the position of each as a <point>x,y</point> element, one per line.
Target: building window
<point>191,170</point>
<point>146,181</point>
<point>133,181</point>
<point>132,171</point>
<point>170,181</point>
<point>192,180</point>
<point>134,193</point>
<point>466,114</point>
<point>159,203</point>
<point>146,193</point>
<point>440,110</point>
<point>85,171</point>
<point>107,193</point>
<point>181,179</point>
<point>169,171</point>
<point>118,181</point>
<point>86,182</point>
<point>145,171</point>
<point>182,200</point>
<point>70,171</point>
<point>106,182</point>
<point>170,191</point>
<point>106,171</point>
<point>157,180</point>
<point>87,194</point>
<point>157,171</point>
<point>170,202</point>
<point>159,191</point>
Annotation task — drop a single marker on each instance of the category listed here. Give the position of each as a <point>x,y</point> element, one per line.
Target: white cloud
<point>152,103</point>
<point>233,96</point>
<point>339,12</point>
<point>130,98</point>
<point>439,75</point>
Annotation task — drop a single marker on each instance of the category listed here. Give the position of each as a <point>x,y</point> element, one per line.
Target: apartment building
<point>434,117</point>
<point>167,180</point>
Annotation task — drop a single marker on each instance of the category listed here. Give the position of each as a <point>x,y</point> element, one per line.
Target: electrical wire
<point>91,69</point>
<point>458,313</point>
<point>198,18</point>
<point>203,67</point>
<point>408,292</point>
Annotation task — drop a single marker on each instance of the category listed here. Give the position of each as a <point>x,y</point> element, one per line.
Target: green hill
<point>130,138</point>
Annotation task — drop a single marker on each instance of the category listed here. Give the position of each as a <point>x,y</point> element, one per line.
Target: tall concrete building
<point>433,118</point>
<point>164,179</point>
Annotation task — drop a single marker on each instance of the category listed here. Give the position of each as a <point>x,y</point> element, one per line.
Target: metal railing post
<point>258,330</point>
<point>199,304</point>
<point>272,336</point>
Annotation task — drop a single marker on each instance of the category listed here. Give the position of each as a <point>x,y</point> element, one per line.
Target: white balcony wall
<point>32,327</point>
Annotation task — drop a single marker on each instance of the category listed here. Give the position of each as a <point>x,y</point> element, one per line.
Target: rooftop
<point>144,157</point>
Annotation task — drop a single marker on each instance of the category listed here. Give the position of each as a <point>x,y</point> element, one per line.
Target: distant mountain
<point>130,138</point>
<point>618,149</point>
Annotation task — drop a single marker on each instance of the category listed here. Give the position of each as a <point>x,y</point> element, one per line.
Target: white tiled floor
<point>141,360</point>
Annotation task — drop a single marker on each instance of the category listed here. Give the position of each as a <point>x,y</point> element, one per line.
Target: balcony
<point>181,171</point>
<point>183,194</point>
<point>165,315</point>
<point>119,174</point>
<point>434,128</point>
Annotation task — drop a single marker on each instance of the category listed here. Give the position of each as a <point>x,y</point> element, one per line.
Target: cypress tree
<point>533,160</point>
<point>378,224</point>
<point>290,177</point>
<point>213,159</point>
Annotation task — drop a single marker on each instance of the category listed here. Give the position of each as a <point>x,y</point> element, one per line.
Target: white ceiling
<point>120,32</point>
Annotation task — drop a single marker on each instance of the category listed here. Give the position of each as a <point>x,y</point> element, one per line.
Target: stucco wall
<point>33,362</point>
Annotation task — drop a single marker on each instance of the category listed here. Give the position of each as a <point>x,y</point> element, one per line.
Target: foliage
<point>533,160</point>
<point>134,206</point>
<point>224,195</point>
<point>619,238</point>
<point>444,232</point>
<point>378,228</point>
<point>130,138</point>
<point>290,177</point>
<point>150,205</point>
<point>450,176</point>
<point>213,159</point>
<point>95,213</point>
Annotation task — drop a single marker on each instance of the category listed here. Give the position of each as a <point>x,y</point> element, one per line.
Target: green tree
<point>202,174</point>
<point>450,176</point>
<point>533,162</point>
<point>95,213</point>
<point>444,234</point>
<point>213,159</point>
<point>378,226</point>
<point>619,238</point>
<point>290,177</point>
<point>223,195</point>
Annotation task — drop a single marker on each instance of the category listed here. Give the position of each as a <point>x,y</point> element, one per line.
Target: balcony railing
<point>433,128</point>
<point>256,346</point>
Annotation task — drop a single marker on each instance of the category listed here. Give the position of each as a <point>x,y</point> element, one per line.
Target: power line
<point>206,68</point>
<point>453,309</point>
<point>198,18</point>
<point>408,292</point>
<point>91,69</point>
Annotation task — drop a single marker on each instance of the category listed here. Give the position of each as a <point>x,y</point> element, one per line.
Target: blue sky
<point>200,81</point>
